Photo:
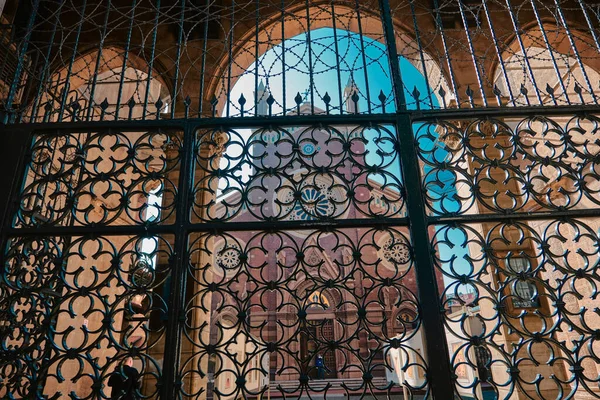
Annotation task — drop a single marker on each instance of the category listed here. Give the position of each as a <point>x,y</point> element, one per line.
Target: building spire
<point>262,108</point>
<point>349,90</point>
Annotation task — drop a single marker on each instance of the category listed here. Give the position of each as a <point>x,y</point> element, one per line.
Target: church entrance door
<point>316,333</point>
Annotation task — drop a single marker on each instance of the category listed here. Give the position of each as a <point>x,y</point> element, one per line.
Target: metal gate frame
<point>440,374</point>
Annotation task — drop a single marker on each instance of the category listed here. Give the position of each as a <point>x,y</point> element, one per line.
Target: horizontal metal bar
<point>150,230</point>
<point>476,218</point>
<point>194,123</point>
<point>298,225</point>
<point>92,230</point>
<point>289,120</point>
<point>496,112</point>
<point>230,226</point>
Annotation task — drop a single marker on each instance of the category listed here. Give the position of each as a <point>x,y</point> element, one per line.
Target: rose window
<point>308,149</point>
<point>227,257</point>
<point>314,204</point>
<point>394,252</point>
<point>316,201</point>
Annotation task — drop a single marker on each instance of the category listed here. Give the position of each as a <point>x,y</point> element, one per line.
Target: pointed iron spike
<point>577,88</point>
<point>270,101</point>
<point>186,102</point>
<point>498,95</point>
<point>442,92</point>
<point>497,91</point>
<point>416,94</point>
<point>298,98</point>
<point>355,97</point>
<point>326,98</point>
<point>382,98</point>
<point>469,92</point>
<point>131,102</point>
<point>214,101</point>
<point>159,103</point>
<point>242,100</point>
<point>48,107</point>
<point>104,104</point>
<point>524,90</point>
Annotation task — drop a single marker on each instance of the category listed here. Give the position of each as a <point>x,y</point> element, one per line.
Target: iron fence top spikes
<point>224,53</point>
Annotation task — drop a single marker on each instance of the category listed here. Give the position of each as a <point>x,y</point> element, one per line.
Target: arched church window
<point>405,316</point>
<point>112,84</point>
<point>523,292</point>
<point>317,300</point>
<point>558,79</point>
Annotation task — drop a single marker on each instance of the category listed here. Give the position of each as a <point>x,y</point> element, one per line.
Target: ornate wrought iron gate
<point>300,199</point>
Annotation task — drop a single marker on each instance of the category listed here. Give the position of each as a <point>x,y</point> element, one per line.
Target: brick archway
<point>255,43</point>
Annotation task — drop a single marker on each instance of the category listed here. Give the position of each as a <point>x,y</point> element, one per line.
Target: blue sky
<point>331,71</point>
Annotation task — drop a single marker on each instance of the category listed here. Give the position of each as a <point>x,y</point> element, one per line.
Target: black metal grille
<point>274,199</point>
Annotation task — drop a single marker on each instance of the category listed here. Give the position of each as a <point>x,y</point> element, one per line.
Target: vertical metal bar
<point>517,29</point>
<point>98,58</point>
<point>364,57</point>
<point>575,51</point>
<point>547,42</point>
<point>151,65</point>
<point>390,40</point>
<point>47,183</point>
<point>46,68</point>
<point>256,63</point>
<point>203,67</point>
<point>178,61</point>
<point>438,21</point>
<point>29,84</point>
<point>440,371</point>
<point>283,100</point>
<point>12,92</point>
<point>125,59</point>
<point>310,64</point>
<point>498,52</point>
<point>176,302</point>
<point>589,24</point>
<point>65,91</point>
<point>14,151</point>
<point>230,61</point>
<point>421,53</point>
<point>337,58</point>
<point>5,37</point>
<point>472,51</point>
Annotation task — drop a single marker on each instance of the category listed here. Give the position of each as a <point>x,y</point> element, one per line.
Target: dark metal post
<point>15,145</point>
<point>22,52</point>
<point>438,367</point>
<point>171,380</point>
